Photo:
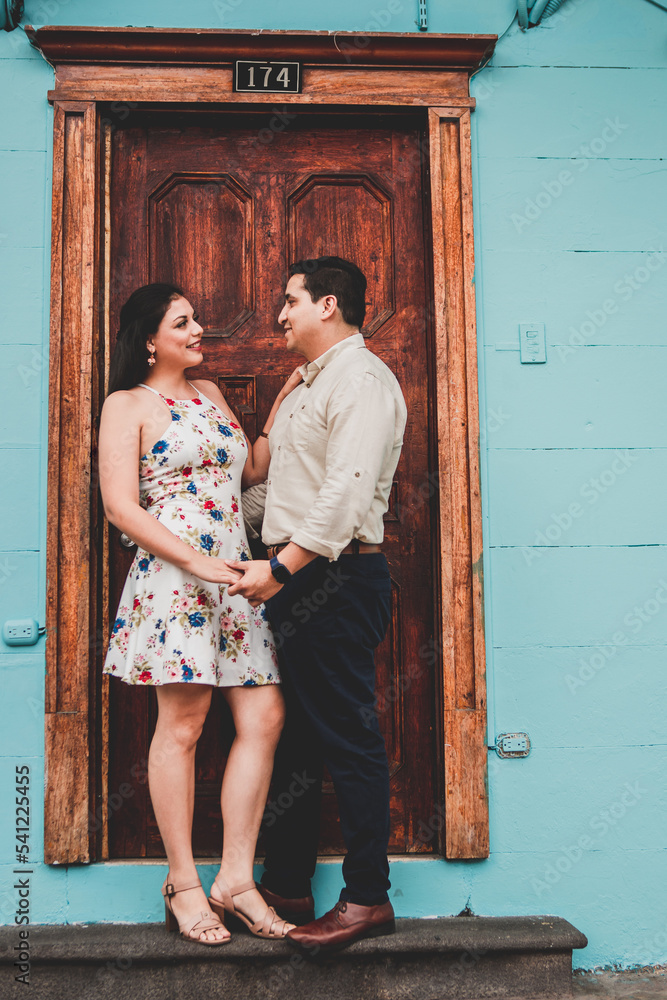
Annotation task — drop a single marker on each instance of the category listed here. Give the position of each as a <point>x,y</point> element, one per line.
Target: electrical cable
<point>500,38</point>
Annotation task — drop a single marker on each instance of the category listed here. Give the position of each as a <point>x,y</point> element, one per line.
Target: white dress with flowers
<point>171,626</point>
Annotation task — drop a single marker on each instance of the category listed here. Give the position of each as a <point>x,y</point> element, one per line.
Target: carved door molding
<point>96,67</point>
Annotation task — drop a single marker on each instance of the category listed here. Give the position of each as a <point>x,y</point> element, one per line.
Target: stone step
<point>470,958</point>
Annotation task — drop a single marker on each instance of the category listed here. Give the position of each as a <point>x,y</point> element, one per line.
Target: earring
<point>151,359</point>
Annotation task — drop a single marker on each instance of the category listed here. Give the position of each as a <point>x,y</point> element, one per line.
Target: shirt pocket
<point>300,424</point>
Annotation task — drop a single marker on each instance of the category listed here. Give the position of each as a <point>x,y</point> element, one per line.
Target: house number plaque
<point>267,76</point>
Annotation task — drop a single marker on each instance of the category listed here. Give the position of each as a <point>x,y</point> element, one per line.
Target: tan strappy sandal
<point>270,926</point>
<point>190,929</point>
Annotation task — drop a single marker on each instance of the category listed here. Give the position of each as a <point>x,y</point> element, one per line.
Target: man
<point>335,444</point>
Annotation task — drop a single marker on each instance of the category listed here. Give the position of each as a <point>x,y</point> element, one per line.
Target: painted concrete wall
<point>571,204</point>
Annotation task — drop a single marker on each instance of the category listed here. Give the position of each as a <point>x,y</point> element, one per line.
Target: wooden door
<point>220,204</point>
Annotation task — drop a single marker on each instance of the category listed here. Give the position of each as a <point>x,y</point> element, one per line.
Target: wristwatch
<point>280,572</point>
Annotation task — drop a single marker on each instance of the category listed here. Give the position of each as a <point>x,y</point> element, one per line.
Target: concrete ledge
<point>471,958</point>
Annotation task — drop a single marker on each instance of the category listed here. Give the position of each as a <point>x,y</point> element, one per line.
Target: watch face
<point>280,572</point>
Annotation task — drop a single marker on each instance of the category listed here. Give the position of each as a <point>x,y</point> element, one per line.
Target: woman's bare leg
<point>182,710</point>
<point>258,714</point>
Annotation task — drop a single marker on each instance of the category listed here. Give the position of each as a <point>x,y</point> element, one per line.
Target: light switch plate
<point>533,343</point>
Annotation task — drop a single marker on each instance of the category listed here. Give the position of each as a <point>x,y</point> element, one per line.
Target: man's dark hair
<point>335,276</point>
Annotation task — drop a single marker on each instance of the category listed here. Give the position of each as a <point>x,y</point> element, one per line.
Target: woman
<point>176,627</point>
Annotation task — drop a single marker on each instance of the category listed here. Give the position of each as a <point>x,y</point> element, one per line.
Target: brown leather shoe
<point>295,911</point>
<point>338,928</point>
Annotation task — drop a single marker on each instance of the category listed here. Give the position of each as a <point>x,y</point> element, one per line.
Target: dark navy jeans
<point>328,620</point>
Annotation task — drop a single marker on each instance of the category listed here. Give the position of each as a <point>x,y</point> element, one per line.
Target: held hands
<point>257,583</point>
<point>214,570</point>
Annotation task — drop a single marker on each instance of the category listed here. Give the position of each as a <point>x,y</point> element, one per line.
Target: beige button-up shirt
<point>335,445</point>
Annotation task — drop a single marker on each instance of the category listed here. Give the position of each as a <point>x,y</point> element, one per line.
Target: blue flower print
<point>191,488</point>
<point>162,635</point>
<point>249,683</point>
<point>187,672</point>
<point>175,415</point>
<point>196,618</point>
<point>244,557</point>
<point>223,643</point>
<point>117,625</point>
<point>225,431</point>
<point>264,615</point>
<point>206,542</point>
<point>159,447</point>
<point>145,562</point>
<point>223,457</point>
<point>217,515</point>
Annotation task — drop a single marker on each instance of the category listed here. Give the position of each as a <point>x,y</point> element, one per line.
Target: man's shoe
<point>295,911</point>
<point>346,923</point>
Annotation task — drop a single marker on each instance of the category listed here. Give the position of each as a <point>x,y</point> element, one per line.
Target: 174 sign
<point>269,77</point>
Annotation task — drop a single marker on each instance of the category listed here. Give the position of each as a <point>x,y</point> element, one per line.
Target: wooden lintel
<point>214,46</point>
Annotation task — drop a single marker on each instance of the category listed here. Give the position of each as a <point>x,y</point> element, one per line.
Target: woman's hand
<point>295,378</point>
<point>213,570</point>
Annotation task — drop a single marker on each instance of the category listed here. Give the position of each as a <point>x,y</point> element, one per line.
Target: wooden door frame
<point>128,67</point>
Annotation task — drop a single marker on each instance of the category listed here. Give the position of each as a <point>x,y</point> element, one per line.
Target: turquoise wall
<point>571,203</point>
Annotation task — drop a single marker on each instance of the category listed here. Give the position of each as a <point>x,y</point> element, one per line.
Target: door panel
<point>200,201</point>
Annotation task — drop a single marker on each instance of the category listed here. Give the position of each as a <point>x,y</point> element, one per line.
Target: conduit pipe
<point>11,12</point>
<point>531,12</point>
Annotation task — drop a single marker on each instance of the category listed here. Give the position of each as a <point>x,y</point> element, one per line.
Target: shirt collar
<point>311,369</point>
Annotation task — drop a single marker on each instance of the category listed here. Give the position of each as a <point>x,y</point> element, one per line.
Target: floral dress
<point>171,626</point>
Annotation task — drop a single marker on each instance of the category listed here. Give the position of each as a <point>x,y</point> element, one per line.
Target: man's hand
<point>258,582</point>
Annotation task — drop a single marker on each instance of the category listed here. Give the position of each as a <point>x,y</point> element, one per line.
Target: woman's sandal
<point>190,929</point>
<point>270,926</point>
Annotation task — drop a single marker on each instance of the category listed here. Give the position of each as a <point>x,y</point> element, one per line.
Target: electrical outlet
<point>20,632</point>
<point>513,745</point>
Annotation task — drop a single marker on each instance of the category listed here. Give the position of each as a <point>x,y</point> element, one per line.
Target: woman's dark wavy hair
<point>139,319</point>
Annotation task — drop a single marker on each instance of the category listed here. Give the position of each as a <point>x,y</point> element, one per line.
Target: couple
<point>197,612</point>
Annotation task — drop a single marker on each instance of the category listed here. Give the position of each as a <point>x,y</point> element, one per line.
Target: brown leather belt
<point>355,548</point>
